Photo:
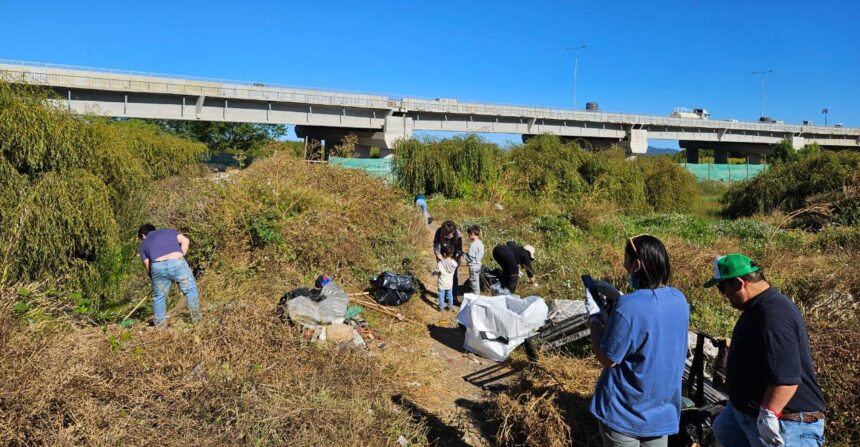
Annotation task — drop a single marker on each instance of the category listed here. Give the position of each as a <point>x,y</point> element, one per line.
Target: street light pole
<point>575,67</point>
<point>825,112</point>
<point>762,73</point>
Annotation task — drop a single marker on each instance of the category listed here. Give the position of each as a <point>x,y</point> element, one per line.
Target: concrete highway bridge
<point>377,120</point>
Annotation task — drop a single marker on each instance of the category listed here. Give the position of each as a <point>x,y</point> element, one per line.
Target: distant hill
<point>661,151</point>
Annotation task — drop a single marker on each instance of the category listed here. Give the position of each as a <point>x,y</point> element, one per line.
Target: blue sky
<point>645,57</point>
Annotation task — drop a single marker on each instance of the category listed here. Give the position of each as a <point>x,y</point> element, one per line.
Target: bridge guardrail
<point>87,77</point>
<point>200,86</point>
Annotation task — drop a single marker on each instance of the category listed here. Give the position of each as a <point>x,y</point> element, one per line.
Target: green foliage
<point>668,186</point>
<point>547,167</point>
<point>374,152</point>
<point>67,190</point>
<point>66,221</point>
<point>264,229</point>
<point>783,152</point>
<point>233,138</point>
<point>456,167</point>
<point>810,149</point>
<point>827,178</point>
<point>346,148</point>
<point>556,229</point>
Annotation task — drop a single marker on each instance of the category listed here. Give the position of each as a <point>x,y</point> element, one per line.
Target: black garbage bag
<point>696,427</point>
<point>392,289</point>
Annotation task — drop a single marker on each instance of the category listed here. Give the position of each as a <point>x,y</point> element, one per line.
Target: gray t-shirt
<point>476,253</point>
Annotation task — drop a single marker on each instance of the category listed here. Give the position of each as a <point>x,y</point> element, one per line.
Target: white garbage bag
<point>330,310</point>
<point>496,325</point>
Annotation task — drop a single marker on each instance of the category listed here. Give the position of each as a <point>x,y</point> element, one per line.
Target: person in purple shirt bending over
<point>163,255</point>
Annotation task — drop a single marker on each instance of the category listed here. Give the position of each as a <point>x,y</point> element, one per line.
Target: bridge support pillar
<point>754,158</point>
<point>798,143</point>
<point>692,154</point>
<point>721,156</point>
<point>638,139</point>
<point>397,128</point>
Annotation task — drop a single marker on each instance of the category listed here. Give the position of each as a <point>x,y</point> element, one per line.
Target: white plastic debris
<point>496,325</point>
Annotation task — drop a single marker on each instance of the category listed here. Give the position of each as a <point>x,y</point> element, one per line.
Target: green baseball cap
<point>731,266</point>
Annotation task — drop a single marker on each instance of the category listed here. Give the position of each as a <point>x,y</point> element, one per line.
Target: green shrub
<point>612,177</point>
<point>556,229</point>
<point>455,167</point>
<point>70,187</point>
<point>65,223</point>
<point>546,167</point>
<point>668,186</point>
<point>827,179</point>
<point>783,152</point>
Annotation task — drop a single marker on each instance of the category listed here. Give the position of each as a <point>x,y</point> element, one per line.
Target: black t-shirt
<point>770,346</point>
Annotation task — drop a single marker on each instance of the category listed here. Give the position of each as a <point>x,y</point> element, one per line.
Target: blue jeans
<point>422,205</point>
<point>163,275</point>
<point>442,294</point>
<point>735,429</point>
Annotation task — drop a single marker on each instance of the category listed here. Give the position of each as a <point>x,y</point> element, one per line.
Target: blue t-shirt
<point>159,243</point>
<point>646,338</point>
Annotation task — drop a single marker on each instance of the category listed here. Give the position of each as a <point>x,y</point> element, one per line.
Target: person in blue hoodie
<point>642,347</point>
<point>421,203</point>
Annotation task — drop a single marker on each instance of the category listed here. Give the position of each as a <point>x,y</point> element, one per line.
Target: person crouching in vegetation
<point>774,396</point>
<point>163,255</point>
<point>510,256</point>
<point>448,234</point>
<point>446,268</point>
<point>421,203</point>
<point>642,347</point>
<point>474,258</point>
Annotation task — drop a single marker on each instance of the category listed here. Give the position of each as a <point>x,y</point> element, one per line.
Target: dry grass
<point>836,355</point>
<point>201,385</point>
<point>547,406</point>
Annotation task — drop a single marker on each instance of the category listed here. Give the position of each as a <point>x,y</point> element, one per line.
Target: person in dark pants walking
<point>510,257</point>
<point>448,234</point>
<point>774,396</point>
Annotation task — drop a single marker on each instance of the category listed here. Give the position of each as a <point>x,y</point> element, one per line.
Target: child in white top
<point>445,269</point>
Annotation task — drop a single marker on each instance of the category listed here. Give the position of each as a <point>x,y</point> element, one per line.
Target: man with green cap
<point>774,397</point>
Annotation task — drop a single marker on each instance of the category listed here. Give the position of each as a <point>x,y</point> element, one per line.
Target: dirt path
<point>444,388</point>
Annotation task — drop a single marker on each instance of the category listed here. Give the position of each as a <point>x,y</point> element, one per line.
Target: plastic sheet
<point>560,310</point>
<point>496,325</point>
<point>304,310</point>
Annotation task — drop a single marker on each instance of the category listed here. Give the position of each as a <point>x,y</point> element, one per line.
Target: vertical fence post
<point>729,164</point>
<point>709,170</point>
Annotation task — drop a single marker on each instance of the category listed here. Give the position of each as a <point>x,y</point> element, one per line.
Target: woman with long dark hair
<point>642,347</point>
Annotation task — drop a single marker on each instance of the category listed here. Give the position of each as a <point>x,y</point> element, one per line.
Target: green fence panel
<point>379,167</point>
<point>723,172</point>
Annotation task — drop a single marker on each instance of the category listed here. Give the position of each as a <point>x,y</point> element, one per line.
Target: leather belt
<point>813,416</point>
